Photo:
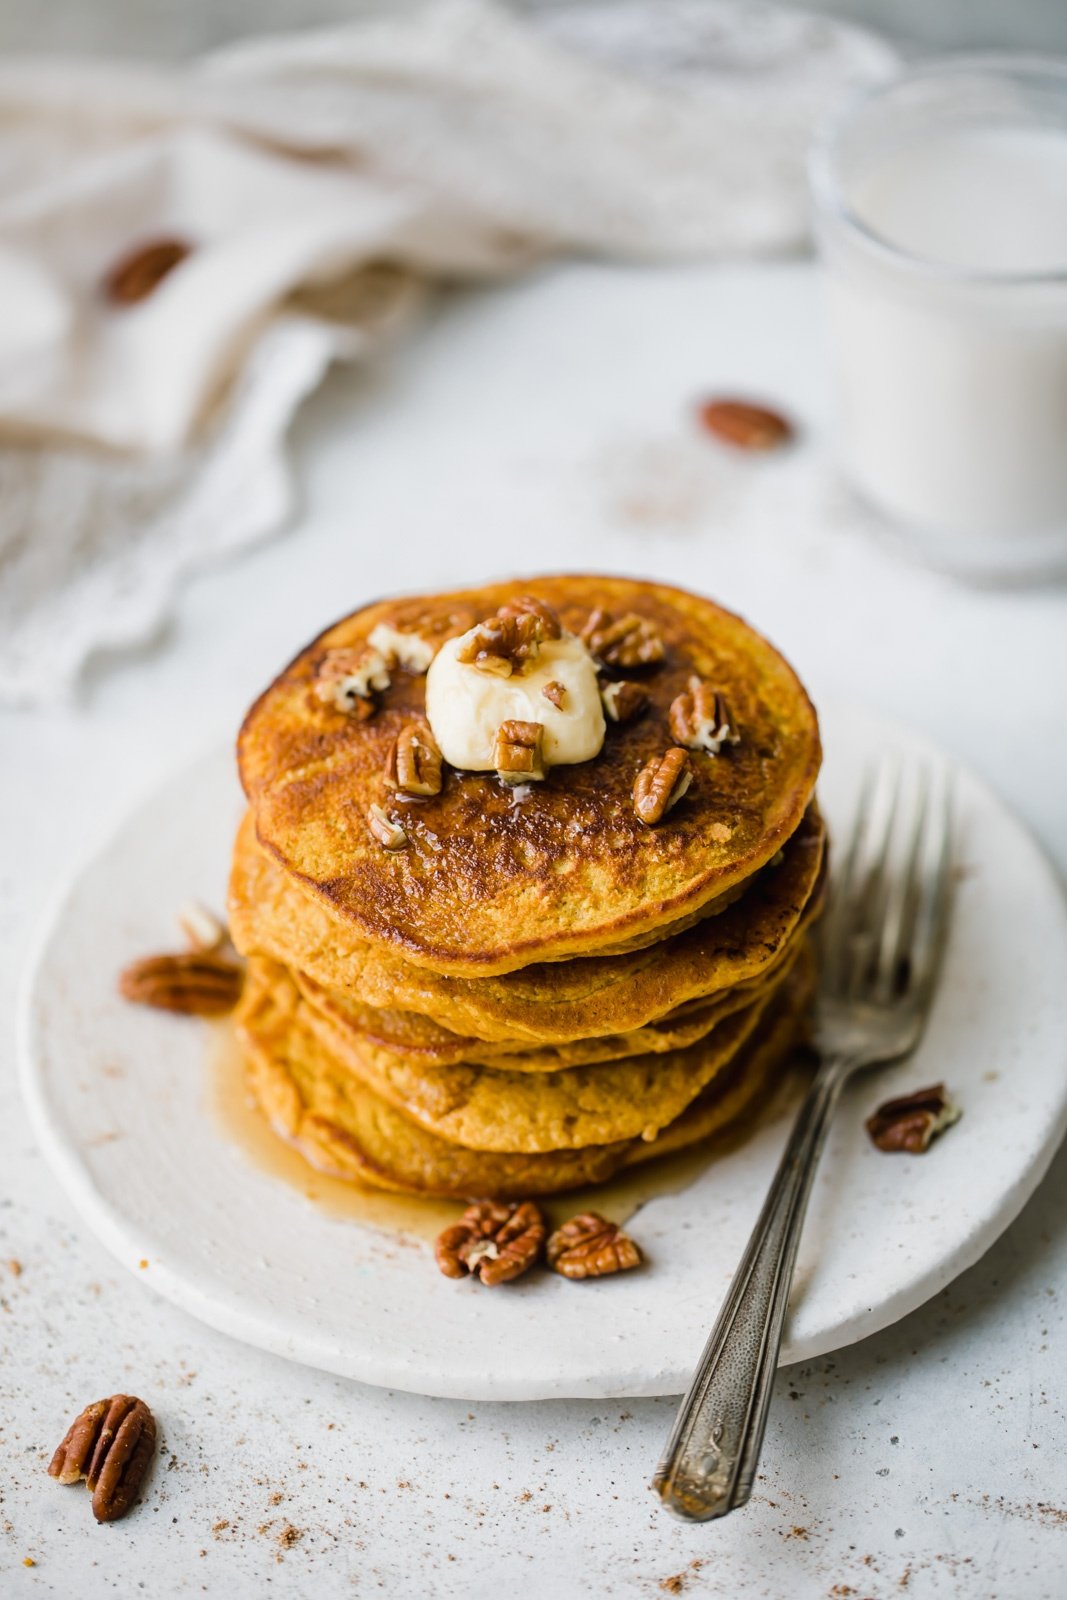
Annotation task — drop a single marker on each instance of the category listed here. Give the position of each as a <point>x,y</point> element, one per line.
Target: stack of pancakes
<point>538,989</point>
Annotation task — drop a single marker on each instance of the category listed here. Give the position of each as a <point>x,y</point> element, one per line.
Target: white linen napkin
<point>448,139</point>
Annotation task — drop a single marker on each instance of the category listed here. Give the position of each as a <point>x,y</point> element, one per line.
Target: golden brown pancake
<point>345,1128</point>
<point>489,884</point>
<point>490,1108</point>
<point>545,1003</point>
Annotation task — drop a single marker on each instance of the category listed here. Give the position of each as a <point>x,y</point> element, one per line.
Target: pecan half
<point>140,271</point>
<point>588,1246</point>
<point>912,1121</point>
<point>528,605</point>
<point>202,928</point>
<point>389,834</point>
<point>110,1445</point>
<point>517,754</point>
<point>503,645</point>
<point>197,983</point>
<point>555,693</point>
<point>660,785</point>
<point>629,641</point>
<point>414,762</point>
<point>700,718</point>
<point>744,425</point>
<point>347,679</point>
<point>622,700</point>
<point>494,1240</point>
<point>407,650</point>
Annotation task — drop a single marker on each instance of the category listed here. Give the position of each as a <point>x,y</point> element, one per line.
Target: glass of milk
<point>941,203</point>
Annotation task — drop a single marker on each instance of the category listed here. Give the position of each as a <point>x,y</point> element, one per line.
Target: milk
<point>949,348</point>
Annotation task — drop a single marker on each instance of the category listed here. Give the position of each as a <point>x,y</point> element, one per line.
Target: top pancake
<point>490,882</point>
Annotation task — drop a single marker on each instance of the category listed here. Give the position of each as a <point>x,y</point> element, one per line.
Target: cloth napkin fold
<point>316,184</point>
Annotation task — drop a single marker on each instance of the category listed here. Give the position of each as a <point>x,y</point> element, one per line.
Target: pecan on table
<point>660,785</point>
<point>196,983</point>
<point>414,762</point>
<point>138,273</point>
<point>495,1240</point>
<point>389,834</point>
<point>622,700</point>
<point>517,754</point>
<point>910,1122</point>
<point>628,641</point>
<point>701,719</point>
<point>348,679</point>
<point>110,1445</point>
<point>744,425</point>
<point>589,1246</point>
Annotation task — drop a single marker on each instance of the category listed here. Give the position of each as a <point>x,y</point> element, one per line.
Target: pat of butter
<point>465,706</point>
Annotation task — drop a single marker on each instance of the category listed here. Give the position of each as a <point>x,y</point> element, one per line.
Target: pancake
<point>546,1003</point>
<point>345,1128</point>
<point>493,878</point>
<point>403,1034</point>
<point>488,1108</point>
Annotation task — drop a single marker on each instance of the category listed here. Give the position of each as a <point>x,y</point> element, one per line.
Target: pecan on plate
<point>660,785</point>
<point>912,1121</point>
<point>348,679</point>
<point>389,834</point>
<point>528,605</point>
<point>517,754</point>
<point>138,273</point>
<point>110,1445</point>
<point>629,641</point>
<point>589,1246</point>
<point>700,718</point>
<point>203,930</point>
<point>197,983</point>
<point>414,762</point>
<point>744,425</point>
<point>622,700</point>
<point>494,1239</point>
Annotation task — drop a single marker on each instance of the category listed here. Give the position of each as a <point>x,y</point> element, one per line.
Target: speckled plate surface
<point>119,1095</point>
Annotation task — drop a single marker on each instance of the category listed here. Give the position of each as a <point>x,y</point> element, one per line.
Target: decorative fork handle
<point>709,1465</point>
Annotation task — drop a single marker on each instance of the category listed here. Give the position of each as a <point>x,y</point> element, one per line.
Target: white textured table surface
<point>535,427</point>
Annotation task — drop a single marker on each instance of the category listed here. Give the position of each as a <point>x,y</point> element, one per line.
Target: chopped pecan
<point>528,605</point>
<point>201,927</point>
<point>912,1121</point>
<point>503,645</point>
<point>495,1240</point>
<point>408,650</point>
<point>700,718</point>
<point>622,700</point>
<point>414,762</point>
<point>389,834</point>
<point>629,641</point>
<point>744,425</point>
<point>348,679</point>
<point>588,1246</point>
<point>198,983</point>
<point>660,785</point>
<point>110,1445</point>
<point>143,269</point>
<point>517,754</point>
<point>555,693</point>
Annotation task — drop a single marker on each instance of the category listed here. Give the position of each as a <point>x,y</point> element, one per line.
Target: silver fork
<point>881,941</point>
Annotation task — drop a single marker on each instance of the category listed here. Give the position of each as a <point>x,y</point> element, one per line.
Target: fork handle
<point>710,1460</point>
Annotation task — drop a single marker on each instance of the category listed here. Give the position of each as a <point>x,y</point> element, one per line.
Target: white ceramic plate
<point>118,1096</point>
